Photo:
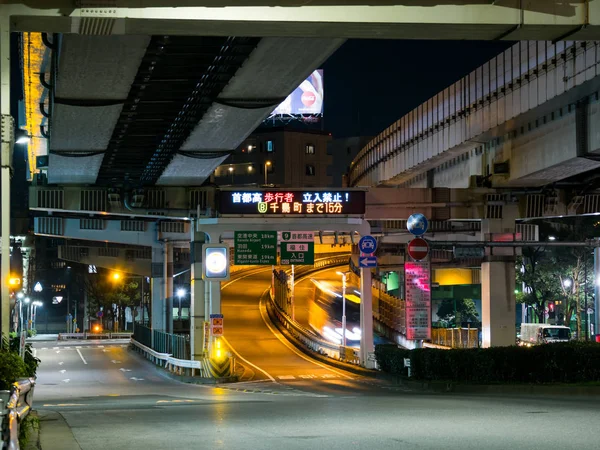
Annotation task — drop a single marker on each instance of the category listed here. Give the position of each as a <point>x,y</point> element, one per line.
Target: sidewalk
<point>55,433</point>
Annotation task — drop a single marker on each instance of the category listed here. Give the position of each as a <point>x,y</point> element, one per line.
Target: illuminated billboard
<point>307,99</point>
<point>417,279</point>
<point>292,202</point>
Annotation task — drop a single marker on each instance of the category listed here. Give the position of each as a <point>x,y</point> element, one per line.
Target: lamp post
<point>231,172</point>
<point>343,274</point>
<point>180,293</point>
<point>35,305</point>
<point>27,301</point>
<point>20,296</point>
<point>267,164</point>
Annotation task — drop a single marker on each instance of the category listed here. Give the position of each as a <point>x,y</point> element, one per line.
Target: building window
<point>269,146</point>
<point>309,149</point>
<point>310,170</point>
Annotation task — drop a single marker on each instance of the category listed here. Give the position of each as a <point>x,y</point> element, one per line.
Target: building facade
<point>282,157</point>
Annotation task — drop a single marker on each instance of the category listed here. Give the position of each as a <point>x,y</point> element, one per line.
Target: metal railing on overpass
<point>176,345</point>
<point>18,401</point>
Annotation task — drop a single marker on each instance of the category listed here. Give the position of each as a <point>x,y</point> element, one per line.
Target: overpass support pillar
<point>157,287</point>
<point>168,284</point>
<point>199,305</point>
<point>498,288</point>
<point>366,319</point>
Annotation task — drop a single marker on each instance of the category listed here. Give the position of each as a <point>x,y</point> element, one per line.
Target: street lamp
<point>343,274</point>
<point>35,305</point>
<point>267,164</point>
<point>231,172</point>
<point>180,293</point>
<point>27,300</point>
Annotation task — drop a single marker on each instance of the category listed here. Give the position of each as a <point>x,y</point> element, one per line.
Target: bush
<point>12,368</point>
<point>572,362</point>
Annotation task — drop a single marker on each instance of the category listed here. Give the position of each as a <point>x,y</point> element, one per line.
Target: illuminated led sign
<point>292,202</point>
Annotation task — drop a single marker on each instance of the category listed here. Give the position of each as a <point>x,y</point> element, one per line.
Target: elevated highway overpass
<point>161,104</point>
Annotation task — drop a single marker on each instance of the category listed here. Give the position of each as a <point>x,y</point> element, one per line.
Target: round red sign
<point>308,98</point>
<point>418,249</point>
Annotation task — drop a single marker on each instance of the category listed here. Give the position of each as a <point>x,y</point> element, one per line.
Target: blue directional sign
<point>367,244</point>
<point>367,261</point>
<point>417,224</point>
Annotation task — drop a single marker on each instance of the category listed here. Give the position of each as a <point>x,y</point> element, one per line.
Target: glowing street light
<point>567,283</point>
<point>116,276</point>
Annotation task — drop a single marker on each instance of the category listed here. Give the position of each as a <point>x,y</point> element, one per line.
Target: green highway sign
<point>300,253</point>
<point>255,248</point>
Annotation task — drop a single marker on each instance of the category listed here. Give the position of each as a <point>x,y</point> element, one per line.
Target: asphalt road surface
<point>112,398</point>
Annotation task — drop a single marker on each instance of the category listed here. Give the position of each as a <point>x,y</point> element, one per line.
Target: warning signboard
<point>216,324</point>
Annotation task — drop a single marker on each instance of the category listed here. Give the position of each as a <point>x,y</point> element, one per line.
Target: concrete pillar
<point>6,146</point>
<point>157,303</point>
<point>199,305</point>
<point>498,305</point>
<point>168,284</point>
<point>366,318</point>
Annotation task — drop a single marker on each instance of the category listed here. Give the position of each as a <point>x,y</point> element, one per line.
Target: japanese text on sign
<point>255,248</point>
<point>418,300</point>
<point>293,202</point>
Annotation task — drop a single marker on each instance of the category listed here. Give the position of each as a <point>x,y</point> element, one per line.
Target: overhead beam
<point>441,19</point>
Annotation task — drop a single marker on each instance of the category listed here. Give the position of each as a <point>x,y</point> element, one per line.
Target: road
<point>112,398</point>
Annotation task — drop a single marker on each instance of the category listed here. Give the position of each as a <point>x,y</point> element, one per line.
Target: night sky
<point>371,83</point>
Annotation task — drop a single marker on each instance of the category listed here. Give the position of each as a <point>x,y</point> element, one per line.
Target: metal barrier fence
<point>455,337</point>
<point>19,401</point>
<point>177,345</point>
<point>115,335</point>
<point>143,334</point>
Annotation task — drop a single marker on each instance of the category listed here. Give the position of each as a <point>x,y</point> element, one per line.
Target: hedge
<point>572,362</point>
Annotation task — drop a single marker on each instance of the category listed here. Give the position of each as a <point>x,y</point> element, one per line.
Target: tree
<point>111,296</point>
<point>535,272</point>
<point>559,274</point>
<point>462,308</point>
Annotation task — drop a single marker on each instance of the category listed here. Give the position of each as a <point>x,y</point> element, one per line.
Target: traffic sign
<point>417,224</point>
<point>297,236</point>
<point>99,313</point>
<point>418,249</point>
<point>300,253</point>
<point>216,324</point>
<point>255,248</point>
<point>367,244</point>
<point>367,261</point>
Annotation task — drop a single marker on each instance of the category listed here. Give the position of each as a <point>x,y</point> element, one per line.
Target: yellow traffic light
<point>14,281</point>
<point>116,276</point>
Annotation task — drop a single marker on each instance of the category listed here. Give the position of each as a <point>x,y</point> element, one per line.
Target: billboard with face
<point>306,99</point>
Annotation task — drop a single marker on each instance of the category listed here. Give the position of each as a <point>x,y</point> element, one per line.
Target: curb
<point>200,380</point>
<point>443,387</point>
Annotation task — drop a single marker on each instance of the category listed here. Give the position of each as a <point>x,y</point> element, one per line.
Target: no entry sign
<point>418,249</point>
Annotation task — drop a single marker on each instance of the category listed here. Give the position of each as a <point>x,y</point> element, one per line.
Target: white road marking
<point>81,356</point>
<point>44,348</point>
<point>263,311</point>
<point>55,348</point>
<point>61,363</point>
<point>114,361</point>
<point>328,375</point>
<point>67,348</point>
<point>78,346</point>
<point>124,370</point>
<point>101,346</point>
<point>287,377</point>
<point>103,350</point>
<point>246,361</point>
<point>57,351</point>
<point>67,380</point>
<point>63,371</point>
<point>136,379</point>
<point>308,376</point>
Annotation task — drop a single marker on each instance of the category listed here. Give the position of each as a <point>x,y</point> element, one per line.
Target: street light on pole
<point>267,164</point>
<point>180,293</point>
<point>343,274</point>
<point>36,304</point>
<point>27,300</point>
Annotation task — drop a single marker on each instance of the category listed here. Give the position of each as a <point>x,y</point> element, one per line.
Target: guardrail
<point>115,335</point>
<point>305,336</point>
<point>19,401</point>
